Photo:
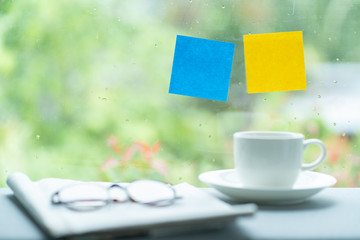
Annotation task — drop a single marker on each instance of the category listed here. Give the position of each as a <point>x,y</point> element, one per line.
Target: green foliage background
<point>73,73</point>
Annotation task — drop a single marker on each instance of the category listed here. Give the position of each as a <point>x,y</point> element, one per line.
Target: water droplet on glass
<point>156,45</point>
<point>197,21</point>
<point>209,136</point>
<point>190,1</point>
<point>335,81</point>
<point>329,38</point>
<point>334,123</point>
<point>200,125</point>
<point>344,134</point>
<point>213,160</point>
<point>119,20</point>
<point>94,9</point>
<point>97,36</point>
<point>223,6</point>
<point>249,33</point>
<point>294,118</point>
<point>37,137</point>
<point>265,99</point>
<point>319,96</point>
<point>337,59</point>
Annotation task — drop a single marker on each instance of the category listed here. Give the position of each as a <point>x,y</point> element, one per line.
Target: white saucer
<point>308,184</point>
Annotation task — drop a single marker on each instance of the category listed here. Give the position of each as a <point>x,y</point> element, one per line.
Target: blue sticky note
<point>201,68</point>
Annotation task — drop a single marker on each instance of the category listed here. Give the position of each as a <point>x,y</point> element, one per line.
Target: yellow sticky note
<point>274,62</point>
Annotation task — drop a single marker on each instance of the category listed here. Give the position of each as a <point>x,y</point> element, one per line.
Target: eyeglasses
<point>91,196</point>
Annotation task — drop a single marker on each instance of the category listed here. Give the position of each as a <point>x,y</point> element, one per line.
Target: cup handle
<point>310,166</point>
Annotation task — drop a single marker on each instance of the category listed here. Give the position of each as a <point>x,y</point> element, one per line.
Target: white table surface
<point>333,213</point>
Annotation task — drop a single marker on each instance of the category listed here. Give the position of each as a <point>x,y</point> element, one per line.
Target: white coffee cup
<point>272,159</point>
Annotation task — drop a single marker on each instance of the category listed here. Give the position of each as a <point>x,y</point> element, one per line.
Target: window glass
<point>84,87</point>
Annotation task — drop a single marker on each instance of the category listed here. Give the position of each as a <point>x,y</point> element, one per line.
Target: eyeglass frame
<point>107,201</point>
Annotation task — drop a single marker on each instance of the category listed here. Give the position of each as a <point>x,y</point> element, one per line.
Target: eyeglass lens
<point>150,192</point>
<point>82,197</point>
